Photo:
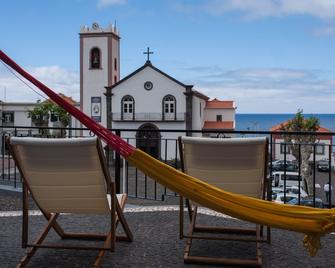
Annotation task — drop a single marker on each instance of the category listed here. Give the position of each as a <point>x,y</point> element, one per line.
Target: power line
<point>24,82</point>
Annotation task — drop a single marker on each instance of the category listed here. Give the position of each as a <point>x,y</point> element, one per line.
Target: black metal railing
<point>163,145</point>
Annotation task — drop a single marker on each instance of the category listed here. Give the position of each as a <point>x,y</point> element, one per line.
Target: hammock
<point>313,222</point>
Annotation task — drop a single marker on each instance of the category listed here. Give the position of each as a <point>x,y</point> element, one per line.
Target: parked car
<point>307,202</point>
<point>291,190</point>
<point>283,198</point>
<point>291,178</point>
<point>279,165</point>
<point>323,165</point>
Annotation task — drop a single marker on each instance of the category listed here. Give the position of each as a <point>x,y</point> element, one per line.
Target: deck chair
<point>67,176</point>
<point>233,164</point>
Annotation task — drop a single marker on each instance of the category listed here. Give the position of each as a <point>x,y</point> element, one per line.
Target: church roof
<point>218,104</point>
<point>215,125</point>
<point>148,64</point>
<point>200,95</point>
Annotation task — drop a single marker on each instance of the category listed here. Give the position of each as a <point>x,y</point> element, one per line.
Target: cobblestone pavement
<point>156,242</point>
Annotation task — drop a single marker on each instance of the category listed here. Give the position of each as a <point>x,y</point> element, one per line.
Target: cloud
<point>325,31</point>
<point>254,9</point>
<point>271,90</point>
<point>106,3</point>
<point>59,79</point>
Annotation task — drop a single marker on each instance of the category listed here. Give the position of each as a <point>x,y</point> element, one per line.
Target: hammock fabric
<point>313,222</point>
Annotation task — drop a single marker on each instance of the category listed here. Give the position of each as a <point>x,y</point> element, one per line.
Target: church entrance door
<point>148,139</point>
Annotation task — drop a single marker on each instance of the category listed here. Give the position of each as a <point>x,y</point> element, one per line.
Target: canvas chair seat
<point>235,165</point>
<point>67,176</point>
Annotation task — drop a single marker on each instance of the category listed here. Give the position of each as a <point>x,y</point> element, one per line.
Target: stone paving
<point>156,242</point>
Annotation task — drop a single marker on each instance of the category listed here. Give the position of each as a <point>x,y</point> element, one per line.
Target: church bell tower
<point>99,67</point>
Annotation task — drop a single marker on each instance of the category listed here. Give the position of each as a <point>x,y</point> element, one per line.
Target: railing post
<point>117,167</point>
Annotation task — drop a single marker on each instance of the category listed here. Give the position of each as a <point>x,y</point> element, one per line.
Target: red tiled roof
<point>218,125</point>
<point>277,128</point>
<point>66,98</point>
<point>217,104</point>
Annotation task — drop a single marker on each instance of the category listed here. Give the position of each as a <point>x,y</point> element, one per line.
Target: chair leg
<point>108,241</point>
<point>190,233</point>
<point>257,262</point>
<point>24,261</point>
<point>181,217</point>
<point>121,218</point>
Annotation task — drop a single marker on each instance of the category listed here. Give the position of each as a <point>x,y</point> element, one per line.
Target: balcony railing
<point>162,144</point>
<point>148,117</point>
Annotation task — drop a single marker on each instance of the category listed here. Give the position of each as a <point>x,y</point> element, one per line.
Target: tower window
<point>219,118</point>
<point>95,58</point>
<point>115,64</point>
<point>115,79</point>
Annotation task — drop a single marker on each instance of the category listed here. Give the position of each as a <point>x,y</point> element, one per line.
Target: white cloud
<point>58,79</point>
<point>325,31</point>
<point>106,3</point>
<point>324,9</point>
<point>271,90</point>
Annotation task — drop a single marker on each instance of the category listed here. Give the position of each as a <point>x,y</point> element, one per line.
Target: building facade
<point>146,101</point>
<point>322,147</point>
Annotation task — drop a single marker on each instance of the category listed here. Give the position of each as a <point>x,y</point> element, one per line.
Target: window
<point>115,79</point>
<point>8,117</point>
<point>115,64</point>
<point>320,149</point>
<point>95,58</point>
<point>282,148</point>
<point>169,107</point>
<point>128,108</point>
<point>219,117</point>
<point>200,108</point>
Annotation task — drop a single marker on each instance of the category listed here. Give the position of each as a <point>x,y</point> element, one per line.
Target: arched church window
<point>115,64</point>
<point>95,58</point>
<point>169,107</point>
<point>127,108</point>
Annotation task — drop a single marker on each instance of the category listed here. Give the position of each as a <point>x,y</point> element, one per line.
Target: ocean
<point>263,122</point>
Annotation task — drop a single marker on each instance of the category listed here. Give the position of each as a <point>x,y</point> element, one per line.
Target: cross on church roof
<point>148,54</point>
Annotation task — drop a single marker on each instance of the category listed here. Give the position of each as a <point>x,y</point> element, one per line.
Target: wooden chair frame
<point>116,217</point>
<point>256,233</point>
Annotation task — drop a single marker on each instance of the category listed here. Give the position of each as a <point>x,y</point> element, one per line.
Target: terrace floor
<point>156,242</point>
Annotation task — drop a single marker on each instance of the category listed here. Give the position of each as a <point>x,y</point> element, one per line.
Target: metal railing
<point>148,117</point>
<point>131,180</point>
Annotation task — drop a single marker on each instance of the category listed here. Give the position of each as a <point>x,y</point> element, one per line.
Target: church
<point>147,100</point>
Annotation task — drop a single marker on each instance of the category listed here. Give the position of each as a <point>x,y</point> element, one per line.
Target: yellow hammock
<point>311,221</point>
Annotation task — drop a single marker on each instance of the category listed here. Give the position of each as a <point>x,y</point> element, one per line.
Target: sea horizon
<point>264,121</point>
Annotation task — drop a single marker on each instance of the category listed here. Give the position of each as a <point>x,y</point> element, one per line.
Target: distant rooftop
<point>213,125</point>
<point>218,104</point>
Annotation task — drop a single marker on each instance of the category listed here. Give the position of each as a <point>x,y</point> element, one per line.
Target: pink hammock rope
<point>114,141</point>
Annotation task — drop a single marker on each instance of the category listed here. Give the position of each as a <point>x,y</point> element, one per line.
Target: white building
<point>324,144</point>
<point>15,114</point>
<point>147,100</point>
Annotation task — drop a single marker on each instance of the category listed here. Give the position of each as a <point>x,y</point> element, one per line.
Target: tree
<point>302,146</point>
<point>40,115</point>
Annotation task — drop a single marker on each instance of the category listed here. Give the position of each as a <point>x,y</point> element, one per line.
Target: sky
<point>269,56</point>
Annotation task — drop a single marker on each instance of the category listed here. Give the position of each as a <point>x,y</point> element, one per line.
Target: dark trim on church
<point>189,103</point>
<point>100,34</point>
<point>148,64</point>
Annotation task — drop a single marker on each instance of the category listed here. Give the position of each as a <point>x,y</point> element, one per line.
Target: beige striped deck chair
<point>236,165</point>
<point>67,176</point>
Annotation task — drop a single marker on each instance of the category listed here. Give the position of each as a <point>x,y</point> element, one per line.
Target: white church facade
<point>147,101</point>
